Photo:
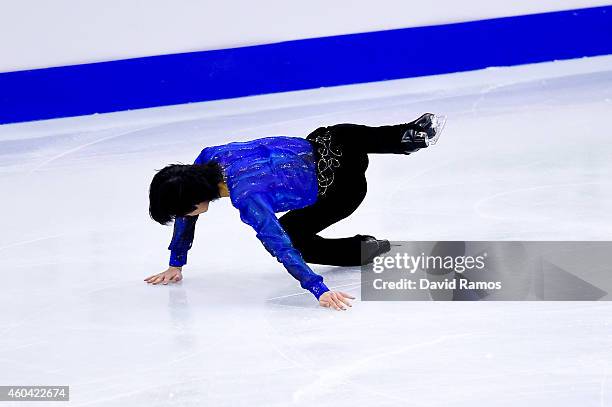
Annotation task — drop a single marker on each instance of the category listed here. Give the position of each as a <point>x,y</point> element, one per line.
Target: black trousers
<point>341,154</point>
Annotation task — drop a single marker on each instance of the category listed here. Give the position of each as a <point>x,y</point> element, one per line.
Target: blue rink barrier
<point>302,64</point>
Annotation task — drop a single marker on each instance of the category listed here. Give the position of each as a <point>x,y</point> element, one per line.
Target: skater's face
<point>200,208</point>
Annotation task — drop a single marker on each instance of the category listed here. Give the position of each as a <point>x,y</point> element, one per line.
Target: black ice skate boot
<point>372,247</point>
<point>423,132</point>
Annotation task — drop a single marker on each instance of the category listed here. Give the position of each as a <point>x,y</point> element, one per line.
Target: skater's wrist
<point>317,289</point>
<point>177,260</point>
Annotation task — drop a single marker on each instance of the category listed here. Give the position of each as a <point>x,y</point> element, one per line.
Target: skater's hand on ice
<point>336,300</point>
<point>173,274</point>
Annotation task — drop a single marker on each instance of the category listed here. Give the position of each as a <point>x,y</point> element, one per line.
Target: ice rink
<point>526,155</point>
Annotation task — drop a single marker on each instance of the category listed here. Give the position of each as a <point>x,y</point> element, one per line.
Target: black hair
<point>176,189</point>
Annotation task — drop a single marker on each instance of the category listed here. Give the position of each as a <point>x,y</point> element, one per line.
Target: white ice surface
<point>526,154</point>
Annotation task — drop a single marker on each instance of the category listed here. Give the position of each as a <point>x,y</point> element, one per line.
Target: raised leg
<point>395,139</point>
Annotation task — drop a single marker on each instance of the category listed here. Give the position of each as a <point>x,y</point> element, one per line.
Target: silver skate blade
<point>438,122</point>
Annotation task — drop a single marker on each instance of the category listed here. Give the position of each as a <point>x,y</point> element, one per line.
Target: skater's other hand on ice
<point>173,274</point>
<point>336,300</point>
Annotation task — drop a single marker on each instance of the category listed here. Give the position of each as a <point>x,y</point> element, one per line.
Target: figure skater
<point>319,180</point>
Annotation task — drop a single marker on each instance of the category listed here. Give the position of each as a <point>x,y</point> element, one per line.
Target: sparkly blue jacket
<point>263,176</point>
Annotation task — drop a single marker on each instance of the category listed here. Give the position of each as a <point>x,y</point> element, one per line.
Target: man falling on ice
<point>319,180</point>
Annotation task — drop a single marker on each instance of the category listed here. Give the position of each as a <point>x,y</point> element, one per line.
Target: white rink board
<point>39,34</point>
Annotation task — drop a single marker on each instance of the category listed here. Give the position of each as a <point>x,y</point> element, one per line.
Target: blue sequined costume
<point>263,176</point>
